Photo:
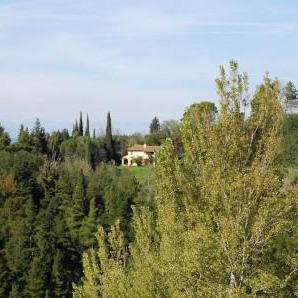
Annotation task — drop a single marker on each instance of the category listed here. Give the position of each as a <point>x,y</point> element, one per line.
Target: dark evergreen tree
<point>36,280</point>
<point>155,125</point>
<point>290,91</point>
<point>87,130</point>
<point>75,129</point>
<point>4,138</point>
<point>23,141</point>
<point>89,225</point>
<point>5,276</point>
<point>20,246</point>
<point>77,209</point>
<point>291,95</point>
<point>15,292</point>
<point>58,287</point>
<point>94,135</point>
<point>89,153</point>
<point>65,134</point>
<point>109,138</point>
<point>38,138</point>
<point>81,128</point>
<point>50,211</point>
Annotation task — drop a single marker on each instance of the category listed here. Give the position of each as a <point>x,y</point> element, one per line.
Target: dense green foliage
<point>290,91</point>
<point>54,192</point>
<point>214,218</point>
<point>223,225</point>
<point>290,132</point>
<point>49,215</point>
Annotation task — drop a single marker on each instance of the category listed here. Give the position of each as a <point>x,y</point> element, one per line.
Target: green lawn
<point>141,173</point>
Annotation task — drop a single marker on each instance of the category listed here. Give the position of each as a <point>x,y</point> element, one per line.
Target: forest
<point>216,216</point>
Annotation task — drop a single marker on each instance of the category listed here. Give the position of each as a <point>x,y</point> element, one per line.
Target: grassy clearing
<point>142,174</point>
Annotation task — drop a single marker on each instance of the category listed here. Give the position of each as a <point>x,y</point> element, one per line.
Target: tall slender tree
<point>81,127</point>
<point>89,152</point>
<point>75,129</point>
<point>109,137</point>
<point>87,130</point>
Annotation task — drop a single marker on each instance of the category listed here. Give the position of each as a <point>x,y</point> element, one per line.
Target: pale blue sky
<point>136,59</point>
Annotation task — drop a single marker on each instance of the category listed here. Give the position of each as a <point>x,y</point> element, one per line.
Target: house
<point>143,154</point>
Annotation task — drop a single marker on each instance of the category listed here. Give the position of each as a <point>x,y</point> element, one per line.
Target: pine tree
<point>87,130</point>
<point>4,138</point>
<point>20,245</point>
<point>58,287</point>
<point>38,138</point>
<point>36,279</point>
<point>290,91</point>
<point>89,225</point>
<point>24,138</point>
<point>77,209</point>
<point>291,96</point>
<point>155,125</point>
<point>15,292</point>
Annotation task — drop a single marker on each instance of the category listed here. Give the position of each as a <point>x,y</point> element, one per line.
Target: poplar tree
<point>220,209</point>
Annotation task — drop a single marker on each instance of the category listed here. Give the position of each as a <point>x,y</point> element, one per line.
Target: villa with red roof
<point>144,153</point>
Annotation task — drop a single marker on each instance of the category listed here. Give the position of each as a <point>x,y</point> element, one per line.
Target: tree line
<point>216,219</point>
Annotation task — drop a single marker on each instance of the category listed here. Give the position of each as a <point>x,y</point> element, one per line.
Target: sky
<point>137,59</point>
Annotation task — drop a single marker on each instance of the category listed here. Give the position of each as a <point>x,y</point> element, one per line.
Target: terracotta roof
<point>143,148</point>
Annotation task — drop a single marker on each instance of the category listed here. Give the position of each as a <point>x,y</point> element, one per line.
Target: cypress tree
<point>81,128</point>
<point>109,137</point>
<point>87,130</point>
<point>94,135</point>
<point>89,153</point>
<point>75,130</point>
